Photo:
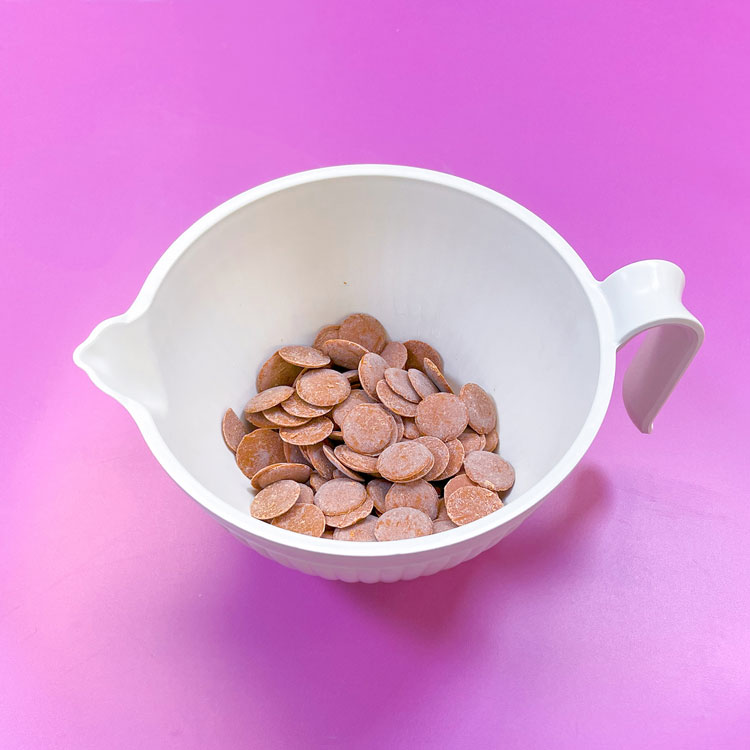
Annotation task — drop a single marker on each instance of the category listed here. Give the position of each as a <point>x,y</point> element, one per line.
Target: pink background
<point>617,617</point>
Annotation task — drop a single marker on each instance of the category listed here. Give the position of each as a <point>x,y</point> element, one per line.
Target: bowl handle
<point>648,295</point>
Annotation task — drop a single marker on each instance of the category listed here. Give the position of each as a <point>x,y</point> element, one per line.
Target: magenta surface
<point>618,616</point>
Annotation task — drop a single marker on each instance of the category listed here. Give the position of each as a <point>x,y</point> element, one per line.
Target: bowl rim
<point>329,548</point>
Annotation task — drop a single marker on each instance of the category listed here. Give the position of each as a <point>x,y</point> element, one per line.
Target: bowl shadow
<point>549,544</point>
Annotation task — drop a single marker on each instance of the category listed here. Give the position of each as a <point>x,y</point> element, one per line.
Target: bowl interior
<point>430,261</point>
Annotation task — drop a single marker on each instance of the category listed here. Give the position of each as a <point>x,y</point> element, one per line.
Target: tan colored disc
<point>362,531</point>
<point>344,520</point>
<point>399,383</point>
<point>282,418</point>
<point>490,471</point>
<point>257,419</point>
<point>344,353</point>
<point>233,429</point>
<point>295,406</point>
<point>337,435</point>
<point>343,470</point>
<point>299,375</point>
<point>355,398</point>
<point>356,461</point>
<point>328,533</point>
<point>257,450</point>
<point>268,398</point>
<point>436,376</point>
<point>492,441</point>
<point>326,333</point>
<point>442,415</point>
<point>421,383</point>
<point>352,376</point>
<point>472,441</point>
<point>410,428</point>
<point>364,330</point>
<point>377,489</point>
<point>418,494</point>
<point>480,407</point>
<point>368,429</point>
<point>395,354</point>
<point>371,370</point>
<point>443,525</point>
<point>275,371</point>
<point>440,453</point>
<point>275,499</point>
<point>323,387</point>
<point>460,480</point>
<point>467,504</point>
<point>442,512</point>
<point>316,481</point>
<point>306,494</point>
<point>394,402</point>
<point>340,496</point>
<point>396,429</point>
<point>304,518</point>
<point>318,459</point>
<point>417,351</point>
<point>304,356</point>
<point>315,431</point>
<point>294,454</point>
<point>455,460</point>
<point>399,420</point>
<point>276,472</point>
<point>402,523</point>
<point>405,462</point>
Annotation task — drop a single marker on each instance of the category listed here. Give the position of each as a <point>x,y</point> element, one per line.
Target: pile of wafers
<point>360,438</point>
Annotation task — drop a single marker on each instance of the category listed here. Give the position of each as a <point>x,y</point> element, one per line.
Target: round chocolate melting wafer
<point>364,330</point>
<point>315,431</point>
<point>340,496</point>
<point>442,415</point>
<point>304,518</point>
<point>278,416</point>
<point>402,523</point>
<point>371,370</point>
<point>277,472</point>
<point>421,383</point>
<point>368,429</point>
<point>268,398</point>
<point>480,408</point>
<point>394,354</point>
<point>417,351</point>
<point>440,453</point>
<point>398,381</point>
<point>275,499</point>
<point>436,376</point>
<point>233,429</point>
<point>361,531</point>
<point>377,489</point>
<point>467,504</point>
<point>323,387</point>
<point>295,406</point>
<point>257,450</point>
<point>304,356</point>
<point>326,333</point>
<point>274,372</point>
<point>394,402</point>
<point>343,353</point>
<point>418,494</point>
<point>405,462</point>
<point>489,470</point>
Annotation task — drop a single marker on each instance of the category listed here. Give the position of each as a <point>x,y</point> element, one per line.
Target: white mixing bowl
<point>500,294</point>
